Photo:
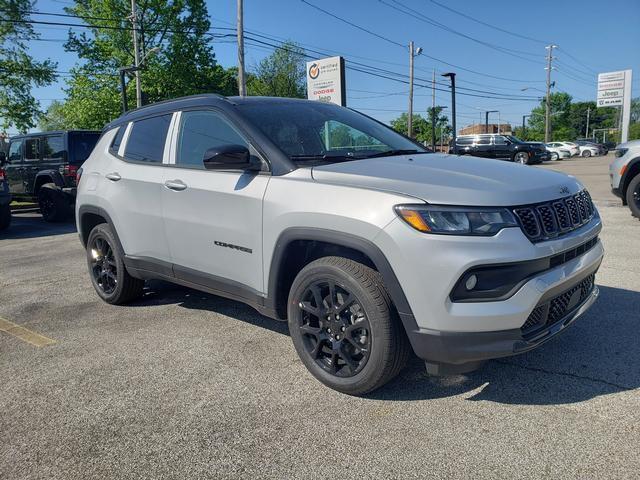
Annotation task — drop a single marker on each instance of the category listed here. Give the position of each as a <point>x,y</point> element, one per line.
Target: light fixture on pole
<point>413,52</point>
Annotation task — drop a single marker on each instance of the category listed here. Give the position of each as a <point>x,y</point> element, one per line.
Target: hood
<point>451,179</point>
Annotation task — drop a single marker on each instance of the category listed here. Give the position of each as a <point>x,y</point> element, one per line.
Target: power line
<point>457,12</point>
<point>400,7</point>
<point>353,24</point>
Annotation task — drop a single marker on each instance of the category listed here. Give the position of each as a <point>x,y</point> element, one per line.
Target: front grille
<point>552,219</point>
<point>559,307</point>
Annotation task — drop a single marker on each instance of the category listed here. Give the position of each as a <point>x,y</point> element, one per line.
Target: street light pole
<point>452,77</point>
<point>433,111</point>
<point>524,128</point>
<point>486,119</point>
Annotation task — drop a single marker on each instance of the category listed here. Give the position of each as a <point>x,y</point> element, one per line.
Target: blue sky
<point>592,36</point>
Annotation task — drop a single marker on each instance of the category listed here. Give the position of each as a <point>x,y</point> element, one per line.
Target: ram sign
<point>325,80</point>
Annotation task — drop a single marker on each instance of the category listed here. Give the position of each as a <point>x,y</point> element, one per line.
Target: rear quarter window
<point>146,140</point>
<point>81,145</point>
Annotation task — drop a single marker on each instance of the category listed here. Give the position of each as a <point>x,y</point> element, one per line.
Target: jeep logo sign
<point>325,81</point>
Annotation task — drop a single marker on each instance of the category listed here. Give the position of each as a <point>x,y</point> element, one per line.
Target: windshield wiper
<point>322,157</point>
<point>389,153</point>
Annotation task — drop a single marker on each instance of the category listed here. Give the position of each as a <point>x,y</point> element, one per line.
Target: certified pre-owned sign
<point>611,87</point>
<point>325,80</point>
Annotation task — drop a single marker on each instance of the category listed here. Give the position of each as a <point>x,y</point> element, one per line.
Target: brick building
<point>491,128</point>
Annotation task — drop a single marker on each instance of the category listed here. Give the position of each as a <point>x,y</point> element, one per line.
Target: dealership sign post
<point>325,81</point>
<point>614,89</point>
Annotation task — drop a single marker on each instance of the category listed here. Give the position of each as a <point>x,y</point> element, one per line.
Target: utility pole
<point>410,118</point>
<point>547,110</point>
<point>586,133</point>
<point>136,52</point>
<point>452,77</point>
<point>433,111</point>
<point>524,127</point>
<point>242,81</point>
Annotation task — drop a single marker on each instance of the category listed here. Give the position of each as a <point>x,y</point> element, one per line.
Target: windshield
<point>514,139</point>
<point>321,132</point>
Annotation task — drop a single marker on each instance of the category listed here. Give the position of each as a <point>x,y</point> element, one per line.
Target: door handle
<point>114,177</point>
<point>176,185</point>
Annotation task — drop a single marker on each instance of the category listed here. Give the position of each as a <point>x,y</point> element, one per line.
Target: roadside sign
<point>325,80</point>
<point>614,89</point>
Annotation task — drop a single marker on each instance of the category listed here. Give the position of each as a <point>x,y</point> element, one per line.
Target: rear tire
<point>344,327</point>
<point>633,196</point>
<point>5,216</point>
<point>53,204</point>
<point>108,273</point>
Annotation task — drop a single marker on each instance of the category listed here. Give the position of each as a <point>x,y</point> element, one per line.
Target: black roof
<point>207,99</point>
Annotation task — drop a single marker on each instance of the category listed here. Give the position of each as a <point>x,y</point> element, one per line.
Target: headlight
<point>445,220</point>
<point>621,151</point>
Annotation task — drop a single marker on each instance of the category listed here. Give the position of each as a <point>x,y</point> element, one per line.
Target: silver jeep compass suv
<point>367,244</point>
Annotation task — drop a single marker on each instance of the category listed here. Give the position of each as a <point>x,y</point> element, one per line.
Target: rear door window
<point>15,151</point>
<point>146,140</point>
<point>53,147</point>
<point>32,149</point>
<point>484,141</point>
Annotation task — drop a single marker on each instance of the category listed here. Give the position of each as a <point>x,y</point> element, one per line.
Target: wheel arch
<point>88,217</point>
<point>47,176</point>
<point>633,169</point>
<point>296,247</point>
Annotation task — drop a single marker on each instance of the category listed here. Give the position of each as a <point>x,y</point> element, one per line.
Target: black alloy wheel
<point>344,326</point>
<point>104,268</point>
<point>335,329</point>
<point>633,196</point>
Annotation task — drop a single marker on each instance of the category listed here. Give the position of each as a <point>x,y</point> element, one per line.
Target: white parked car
<point>588,150</point>
<point>557,153</point>
<point>573,148</point>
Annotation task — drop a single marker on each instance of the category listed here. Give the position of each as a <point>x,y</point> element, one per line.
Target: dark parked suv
<point>43,166</point>
<point>5,197</point>
<point>501,147</point>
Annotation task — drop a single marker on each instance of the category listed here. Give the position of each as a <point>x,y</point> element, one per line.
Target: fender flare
<point>347,240</point>
<point>85,209</point>
<point>625,180</point>
<point>54,175</point>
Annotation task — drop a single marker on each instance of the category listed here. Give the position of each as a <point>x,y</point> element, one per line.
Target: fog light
<point>471,282</point>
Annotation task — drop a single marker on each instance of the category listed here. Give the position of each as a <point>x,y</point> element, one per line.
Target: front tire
<point>5,216</point>
<point>554,156</point>
<point>586,153</point>
<point>108,273</point>
<point>53,205</point>
<point>633,196</point>
<point>344,327</point>
<point>521,157</point>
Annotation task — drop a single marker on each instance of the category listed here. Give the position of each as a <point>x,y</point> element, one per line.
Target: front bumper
<point>456,348</point>
<point>429,266</point>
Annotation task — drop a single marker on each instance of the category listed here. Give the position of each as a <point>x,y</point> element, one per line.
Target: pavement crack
<point>618,386</point>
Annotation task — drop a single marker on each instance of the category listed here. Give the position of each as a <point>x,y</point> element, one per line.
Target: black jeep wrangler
<point>43,166</point>
<point>5,197</point>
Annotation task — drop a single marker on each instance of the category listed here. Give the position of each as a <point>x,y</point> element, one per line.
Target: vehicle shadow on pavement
<point>598,355</point>
<point>33,226</point>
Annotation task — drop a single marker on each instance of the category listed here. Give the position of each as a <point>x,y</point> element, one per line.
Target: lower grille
<point>559,307</point>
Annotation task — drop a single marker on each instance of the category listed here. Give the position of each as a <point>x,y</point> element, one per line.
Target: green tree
<point>183,65</point>
<point>422,126</point>
<point>53,118</point>
<point>19,72</point>
<point>281,74</point>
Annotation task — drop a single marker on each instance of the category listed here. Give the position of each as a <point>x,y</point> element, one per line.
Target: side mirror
<point>3,159</point>
<point>227,157</point>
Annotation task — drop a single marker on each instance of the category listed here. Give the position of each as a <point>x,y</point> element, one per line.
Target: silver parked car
<point>370,246</point>
<point>624,172</point>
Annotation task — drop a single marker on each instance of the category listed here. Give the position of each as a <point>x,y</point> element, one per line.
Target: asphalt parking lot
<point>188,385</point>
